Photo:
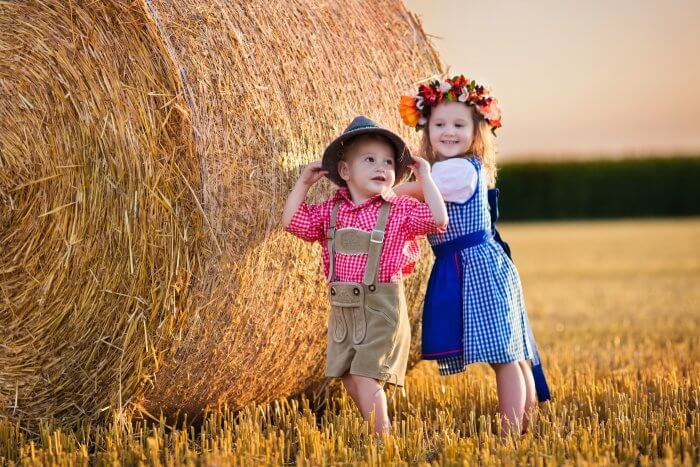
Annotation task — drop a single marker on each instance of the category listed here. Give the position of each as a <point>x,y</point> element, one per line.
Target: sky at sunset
<point>581,78</point>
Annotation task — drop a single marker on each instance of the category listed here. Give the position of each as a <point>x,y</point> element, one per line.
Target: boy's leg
<point>371,397</point>
<point>530,393</point>
<point>349,384</point>
<point>510,385</point>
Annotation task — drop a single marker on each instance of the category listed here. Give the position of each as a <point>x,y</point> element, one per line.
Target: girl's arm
<point>412,189</point>
<point>310,175</point>
<point>430,192</point>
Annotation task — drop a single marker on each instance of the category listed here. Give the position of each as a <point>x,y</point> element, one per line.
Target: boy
<point>369,243</point>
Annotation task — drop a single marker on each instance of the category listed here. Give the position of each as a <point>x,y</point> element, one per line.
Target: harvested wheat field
<point>616,309</point>
<point>146,151</point>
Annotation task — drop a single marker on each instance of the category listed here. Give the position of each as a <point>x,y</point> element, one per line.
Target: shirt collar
<point>343,194</point>
<point>464,157</point>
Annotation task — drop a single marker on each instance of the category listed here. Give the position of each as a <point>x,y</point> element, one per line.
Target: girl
<point>474,310</point>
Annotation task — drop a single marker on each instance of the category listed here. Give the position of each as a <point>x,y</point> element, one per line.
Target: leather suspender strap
<point>376,240</point>
<point>331,238</point>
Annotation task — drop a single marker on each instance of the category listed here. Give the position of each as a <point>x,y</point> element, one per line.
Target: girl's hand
<point>312,173</point>
<point>420,167</point>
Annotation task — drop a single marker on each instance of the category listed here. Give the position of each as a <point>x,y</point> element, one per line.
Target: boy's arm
<point>412,189</point>
<point>310,175</point>
<point>431,195</point>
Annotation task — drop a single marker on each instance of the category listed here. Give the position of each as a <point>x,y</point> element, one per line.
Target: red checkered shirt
<point>408,220</point>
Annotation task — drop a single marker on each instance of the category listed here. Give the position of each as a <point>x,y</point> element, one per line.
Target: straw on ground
<point>616,312</point>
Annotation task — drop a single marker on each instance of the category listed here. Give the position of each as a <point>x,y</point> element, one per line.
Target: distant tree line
<point>600,189</point>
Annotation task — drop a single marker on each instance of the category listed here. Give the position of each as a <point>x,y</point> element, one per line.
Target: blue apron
<point>443,324</point>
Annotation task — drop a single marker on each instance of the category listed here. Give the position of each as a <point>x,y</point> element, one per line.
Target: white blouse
<point>456,179</point>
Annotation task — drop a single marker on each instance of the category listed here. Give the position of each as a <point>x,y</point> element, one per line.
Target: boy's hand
<point>312,173</point>
<point>420,167</point>
<point>309,175</point>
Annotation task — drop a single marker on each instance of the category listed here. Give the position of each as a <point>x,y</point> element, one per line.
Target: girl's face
<point>451,129</point>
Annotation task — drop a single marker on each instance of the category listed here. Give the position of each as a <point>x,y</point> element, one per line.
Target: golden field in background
<point>615,307</point>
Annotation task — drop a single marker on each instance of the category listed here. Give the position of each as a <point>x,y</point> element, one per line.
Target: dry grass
<point>616,309</point>
<point>146,149</point>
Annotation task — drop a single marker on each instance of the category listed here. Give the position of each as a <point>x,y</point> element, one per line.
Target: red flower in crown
<point>415,110</point>
<point>459,82</point>
<point>430,95</point>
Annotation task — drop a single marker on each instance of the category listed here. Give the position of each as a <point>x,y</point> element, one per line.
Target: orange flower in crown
<point>415,110</point>
<point>407,108</point>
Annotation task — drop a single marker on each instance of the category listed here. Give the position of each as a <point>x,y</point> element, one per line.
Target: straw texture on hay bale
<point>146,150</point>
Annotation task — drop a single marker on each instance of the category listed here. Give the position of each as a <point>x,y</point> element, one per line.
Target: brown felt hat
<point>359,126</point>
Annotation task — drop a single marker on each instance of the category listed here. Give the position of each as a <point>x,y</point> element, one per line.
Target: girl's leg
<point>510,385</point>
<point>530,392</point>
<point>371,397</point>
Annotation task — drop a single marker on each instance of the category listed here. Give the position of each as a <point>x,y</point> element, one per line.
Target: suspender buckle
<point>376,236</point>
<point>331,233</point>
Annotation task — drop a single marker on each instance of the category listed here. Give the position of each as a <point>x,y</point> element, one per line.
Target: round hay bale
<point>146,151</point>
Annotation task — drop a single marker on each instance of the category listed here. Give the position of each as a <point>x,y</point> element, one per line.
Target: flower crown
<point>415,110</point>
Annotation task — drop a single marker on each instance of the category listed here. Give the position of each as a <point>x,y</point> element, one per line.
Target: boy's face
<point>368,168</point>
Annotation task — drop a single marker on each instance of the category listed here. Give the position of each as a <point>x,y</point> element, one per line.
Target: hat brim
<point>331,155</point>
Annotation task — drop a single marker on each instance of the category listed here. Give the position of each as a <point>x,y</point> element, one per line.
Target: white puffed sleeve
<point>456,179</point>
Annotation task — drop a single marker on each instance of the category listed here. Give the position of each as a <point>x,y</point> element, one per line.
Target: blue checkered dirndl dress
<point>474,309</point>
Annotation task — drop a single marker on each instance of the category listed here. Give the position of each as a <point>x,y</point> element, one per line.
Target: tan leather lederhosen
<point>368,328</point>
